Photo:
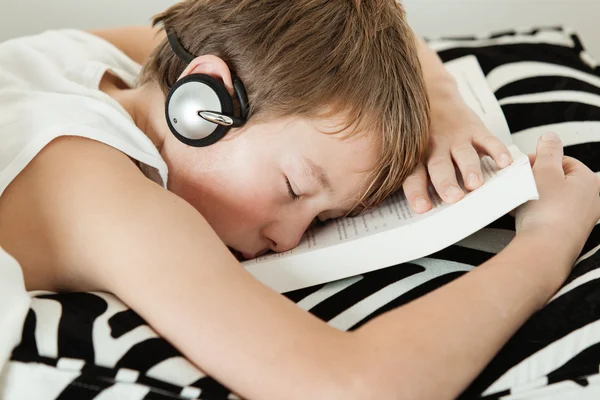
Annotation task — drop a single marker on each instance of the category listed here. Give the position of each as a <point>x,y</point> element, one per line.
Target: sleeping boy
<point>132,160</point>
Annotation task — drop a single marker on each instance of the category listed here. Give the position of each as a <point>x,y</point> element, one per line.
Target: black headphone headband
<point>187,57</point>
<point>178,49</point>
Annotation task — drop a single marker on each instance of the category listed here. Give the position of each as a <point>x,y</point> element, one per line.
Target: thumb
<point>549,157</point>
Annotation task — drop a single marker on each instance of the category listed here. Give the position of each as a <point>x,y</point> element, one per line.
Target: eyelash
<point>293,195</point>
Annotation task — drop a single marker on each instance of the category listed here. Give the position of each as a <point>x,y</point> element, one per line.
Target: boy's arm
<point>135,41</point>
<point>457,135</point>
<point>109,228</point>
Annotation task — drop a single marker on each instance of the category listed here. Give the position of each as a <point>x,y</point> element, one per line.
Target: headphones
<point>199,110</point>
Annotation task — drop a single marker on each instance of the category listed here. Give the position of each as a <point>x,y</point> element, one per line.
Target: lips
<point>241,256</point>
<point>262,253</point>
<point>237,254</point>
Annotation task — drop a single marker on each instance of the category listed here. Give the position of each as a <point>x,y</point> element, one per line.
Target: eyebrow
<point>317,173</point>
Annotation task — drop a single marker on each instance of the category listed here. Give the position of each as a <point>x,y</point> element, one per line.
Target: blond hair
<point>355,58</point>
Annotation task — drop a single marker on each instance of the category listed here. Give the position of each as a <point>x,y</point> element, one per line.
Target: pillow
<point>89,345</point>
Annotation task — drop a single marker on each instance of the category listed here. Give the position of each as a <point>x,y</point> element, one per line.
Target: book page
<point>395,211</point>
<point>439,229</point>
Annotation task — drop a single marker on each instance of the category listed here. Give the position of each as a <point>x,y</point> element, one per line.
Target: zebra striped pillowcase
<point>91,346</point>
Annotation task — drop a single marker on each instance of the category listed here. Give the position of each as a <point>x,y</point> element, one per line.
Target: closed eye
<point>291,192</point>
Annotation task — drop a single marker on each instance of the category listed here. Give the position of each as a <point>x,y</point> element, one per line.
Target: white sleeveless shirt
<point>49,88</point>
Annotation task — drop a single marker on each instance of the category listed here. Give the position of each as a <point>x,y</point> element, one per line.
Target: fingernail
<point>550,136</point>
<point>453,191</point>
<point>421,203</point>
<point>504,160</point>
<point>473,179</point>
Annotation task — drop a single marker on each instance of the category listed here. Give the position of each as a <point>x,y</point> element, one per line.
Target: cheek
<point>235,206</point>
<point>232,187</point>
<point>233,203</point>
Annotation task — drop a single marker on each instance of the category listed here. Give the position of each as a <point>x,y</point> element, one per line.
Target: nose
<point>285,235</point>
<point>284,242</point>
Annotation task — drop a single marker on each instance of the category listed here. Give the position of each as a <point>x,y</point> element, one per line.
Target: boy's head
<point>334,84</point>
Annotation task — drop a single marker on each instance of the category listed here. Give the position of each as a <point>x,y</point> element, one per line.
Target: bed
<point>91,346</point>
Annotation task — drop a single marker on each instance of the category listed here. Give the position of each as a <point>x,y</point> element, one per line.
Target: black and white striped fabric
<point>90,346</point>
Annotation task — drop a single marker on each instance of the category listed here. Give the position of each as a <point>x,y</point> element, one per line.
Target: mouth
<point>241,256</point>
<point>237,254</point>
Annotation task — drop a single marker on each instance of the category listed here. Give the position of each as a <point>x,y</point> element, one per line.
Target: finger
<point>415,190</point>
<point>443,177</point>
<point>492,146</point>
<point>469,164</point>
<point>549,157</point>
<point>531,159</point>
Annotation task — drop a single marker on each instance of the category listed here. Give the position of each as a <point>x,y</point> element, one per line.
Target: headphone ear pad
<point>189,95</point>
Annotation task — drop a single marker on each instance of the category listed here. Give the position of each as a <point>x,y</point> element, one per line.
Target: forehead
<point>342,157</point>
<point>314,132</point>
<point>336,139</point>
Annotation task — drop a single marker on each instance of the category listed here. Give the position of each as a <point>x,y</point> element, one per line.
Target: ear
<point>212,66</point>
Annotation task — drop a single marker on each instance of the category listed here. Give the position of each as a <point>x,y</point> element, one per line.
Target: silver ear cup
<point>184,104</point>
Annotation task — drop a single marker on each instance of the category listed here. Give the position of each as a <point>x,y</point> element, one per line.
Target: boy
<point>337,119</point>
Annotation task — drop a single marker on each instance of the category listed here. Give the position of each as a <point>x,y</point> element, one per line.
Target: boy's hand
<point>458,137</point>
<point>569,204</point>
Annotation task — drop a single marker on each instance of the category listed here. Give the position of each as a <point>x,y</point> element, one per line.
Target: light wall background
<point>432,18</point>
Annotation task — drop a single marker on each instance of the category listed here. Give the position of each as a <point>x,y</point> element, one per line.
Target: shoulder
<point>76,194</point>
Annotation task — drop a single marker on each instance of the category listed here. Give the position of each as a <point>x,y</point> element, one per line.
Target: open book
<point>391,233</point>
